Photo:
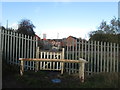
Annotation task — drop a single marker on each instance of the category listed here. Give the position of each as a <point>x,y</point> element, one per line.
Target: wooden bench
<point>49,55</point>
<point>52,62</point>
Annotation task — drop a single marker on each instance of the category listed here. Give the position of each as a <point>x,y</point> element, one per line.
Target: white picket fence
<point>101,56</point>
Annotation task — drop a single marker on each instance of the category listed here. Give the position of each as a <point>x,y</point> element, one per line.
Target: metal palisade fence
<point>15,45</point>
<point>101,56</point>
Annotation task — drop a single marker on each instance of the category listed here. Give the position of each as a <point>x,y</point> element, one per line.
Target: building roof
<point>72,37</point>
<point>37,37</point>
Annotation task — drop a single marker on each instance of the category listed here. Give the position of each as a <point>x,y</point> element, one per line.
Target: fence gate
<point>45,65</point>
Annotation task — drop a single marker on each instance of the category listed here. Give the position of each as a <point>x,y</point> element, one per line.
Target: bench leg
<point>36,69</point>
<point>81,72</point>
<point>62,67</point>
<point>21,67</point>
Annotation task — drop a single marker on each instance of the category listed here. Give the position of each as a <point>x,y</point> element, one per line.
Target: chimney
<point>44,36</point>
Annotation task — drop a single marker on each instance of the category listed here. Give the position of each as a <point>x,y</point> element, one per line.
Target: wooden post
<point>21,67</point>
<point>62,67</point>
<point>81,71</point>
<point>36,69</point>
<point>62,63</point>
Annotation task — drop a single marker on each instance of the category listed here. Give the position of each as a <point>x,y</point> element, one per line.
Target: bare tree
<point>26,27</point>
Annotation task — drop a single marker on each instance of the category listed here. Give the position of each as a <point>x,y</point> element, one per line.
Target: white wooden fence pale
<point>101,56</point>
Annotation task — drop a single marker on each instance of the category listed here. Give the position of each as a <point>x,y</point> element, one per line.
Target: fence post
<point>37,56</point>
<point>0,59</point>
<point>88,69</point>
<point>118,48</point>
<point>108,57</point>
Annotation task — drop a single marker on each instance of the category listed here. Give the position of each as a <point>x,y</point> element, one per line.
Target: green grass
<point>102,80</point>
<point>42,79</point>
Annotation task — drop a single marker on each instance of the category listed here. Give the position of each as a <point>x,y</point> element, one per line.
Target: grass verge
<point>42,79</point>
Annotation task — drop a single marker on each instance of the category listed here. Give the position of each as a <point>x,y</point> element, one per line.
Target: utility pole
<point>57,40</point>
<point>57,35</point>
<point>7,25</point>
